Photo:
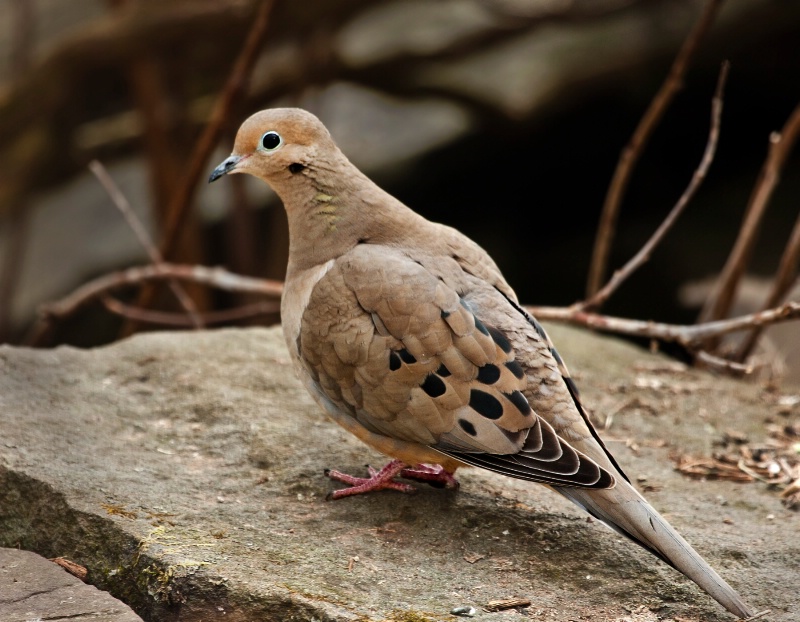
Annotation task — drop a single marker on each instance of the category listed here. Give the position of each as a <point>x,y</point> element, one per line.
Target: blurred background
<point>503,118</point>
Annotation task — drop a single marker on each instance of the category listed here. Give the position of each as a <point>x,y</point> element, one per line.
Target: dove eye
<point>270,141</point>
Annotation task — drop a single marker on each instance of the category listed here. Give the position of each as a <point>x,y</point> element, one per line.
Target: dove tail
<point>626,511</point>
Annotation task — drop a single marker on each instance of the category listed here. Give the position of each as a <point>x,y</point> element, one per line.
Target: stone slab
<point>33,588</point>
<point>184,470</point>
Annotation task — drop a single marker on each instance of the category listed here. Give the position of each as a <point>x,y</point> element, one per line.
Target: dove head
<point>278,144</point>
<point>331,206</point>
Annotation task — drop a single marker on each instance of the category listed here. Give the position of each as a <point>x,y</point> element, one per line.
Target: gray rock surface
<point>184,470</point>
<point>33,588</point>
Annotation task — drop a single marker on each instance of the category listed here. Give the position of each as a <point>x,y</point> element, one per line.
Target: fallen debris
<point>508,603</point>
<point>775,461</point>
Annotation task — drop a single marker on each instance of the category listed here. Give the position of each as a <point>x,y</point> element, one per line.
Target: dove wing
<point>414,355</point>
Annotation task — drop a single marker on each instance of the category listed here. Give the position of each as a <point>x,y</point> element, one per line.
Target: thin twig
<point>633,150</point>
<point>122,204</point>
<point>787,269</point>
<point>721,298</point>
<point>198,162</point>
<point>166,318</point>
<point>120,201</point>
<point>51,313</point>
<point>163,138</point>
<point>689,336</point>
<point>712,361</point>
<point>697,179</point>
<point>784,281</point>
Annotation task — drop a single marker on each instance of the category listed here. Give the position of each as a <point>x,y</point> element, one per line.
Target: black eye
<point>271,141</point>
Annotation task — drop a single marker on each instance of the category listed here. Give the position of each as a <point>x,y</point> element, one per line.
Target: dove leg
<point>377,480</point>
<point>434,474</point>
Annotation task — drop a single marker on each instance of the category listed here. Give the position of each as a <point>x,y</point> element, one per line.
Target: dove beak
<point>227,165</point>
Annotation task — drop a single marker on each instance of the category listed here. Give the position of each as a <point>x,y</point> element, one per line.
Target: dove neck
<point>331,210</point>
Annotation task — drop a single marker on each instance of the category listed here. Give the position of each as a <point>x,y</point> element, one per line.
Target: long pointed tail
<point>626,511</point>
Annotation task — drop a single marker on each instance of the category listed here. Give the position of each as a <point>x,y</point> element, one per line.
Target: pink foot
<point>433,474</point>
<point>377,480</point>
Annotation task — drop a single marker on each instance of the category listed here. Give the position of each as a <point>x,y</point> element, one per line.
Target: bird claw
<point>435,475</point>
<point>432,474</point>
<point>377,480</point>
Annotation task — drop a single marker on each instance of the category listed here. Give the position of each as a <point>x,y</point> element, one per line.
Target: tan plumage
<point>408,336</point>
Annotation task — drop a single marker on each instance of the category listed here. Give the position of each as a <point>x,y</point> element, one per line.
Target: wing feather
<point>410,358</point>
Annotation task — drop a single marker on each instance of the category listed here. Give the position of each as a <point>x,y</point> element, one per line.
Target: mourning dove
<point>407,335</point>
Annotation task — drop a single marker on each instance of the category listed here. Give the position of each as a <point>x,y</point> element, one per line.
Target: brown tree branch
<point>689,336</point>
<point>166,318</point>
<point>198,162</point>
<point>712,361</point>
<point>786,277</point>
<point>633,150</point>
<point>697,179</point>
<point>52,313</point>
<point>122,204</point>
<point>721,298</point>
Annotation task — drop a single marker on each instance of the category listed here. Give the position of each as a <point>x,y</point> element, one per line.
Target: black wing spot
<point>394,361</point>
<point>467,427</point>
<point>443,371</point>
<point>445,314</point>
<point>406,356</point>
<point>363,241</point>
<point>489,374</point>
<point>485,404</point>
<point>481,327</point>
<point>520,402</point>
<point>500,339</point>
<point>433,385</point>
<point>516,369</point>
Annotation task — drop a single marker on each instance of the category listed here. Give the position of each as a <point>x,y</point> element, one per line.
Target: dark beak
<point>226,167</point>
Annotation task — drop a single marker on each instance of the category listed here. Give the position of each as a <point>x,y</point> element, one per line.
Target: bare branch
<point>787,269</point>
<point>719,302</point>
<point>718,363</point>
<point>122,204</point>
<point>166,318</point>
<point>643,255</point>
<point>198,162</point>
<point>50,314</point>
<point>633,150</point>
<point>689,336</point>
<point>786,277</point>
